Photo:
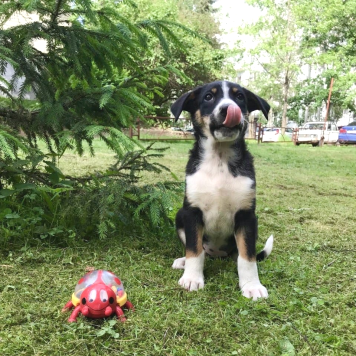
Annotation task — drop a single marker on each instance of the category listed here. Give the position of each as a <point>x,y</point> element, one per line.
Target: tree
<point>327,33</point>
<point>328,25</point>
<point>89,82</point>
<point>202,59</point>
<point>276,51</point>
<point>298,47</point>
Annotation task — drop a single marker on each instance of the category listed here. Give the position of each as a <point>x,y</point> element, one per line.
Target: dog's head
<point>219,109</point>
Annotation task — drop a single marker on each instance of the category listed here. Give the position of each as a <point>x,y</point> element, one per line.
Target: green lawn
<point>305,197</point>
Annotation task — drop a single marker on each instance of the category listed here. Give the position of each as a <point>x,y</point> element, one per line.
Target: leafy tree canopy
<point>90,79</point>
<point>88,65</point>
<point>202,60</point>
<point>327,35</point>
<point>293,38</point>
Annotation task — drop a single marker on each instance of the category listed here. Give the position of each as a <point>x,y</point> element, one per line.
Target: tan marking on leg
<point>189,253</point>
<point>241,246</point>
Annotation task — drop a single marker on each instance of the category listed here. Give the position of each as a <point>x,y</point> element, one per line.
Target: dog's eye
<point>240,96</point>
<point>208,97</point>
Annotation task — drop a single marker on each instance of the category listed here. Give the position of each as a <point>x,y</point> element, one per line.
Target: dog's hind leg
<point>189,226</point>
<point>179,263</point>
<point>180,225</point>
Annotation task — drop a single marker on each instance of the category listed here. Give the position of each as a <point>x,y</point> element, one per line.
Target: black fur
<point>208,107</point>
<point>191,100</point>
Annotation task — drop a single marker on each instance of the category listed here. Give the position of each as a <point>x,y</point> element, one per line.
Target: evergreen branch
<point>18,116</point>
<point>56,10</point>
<point>7,92</point>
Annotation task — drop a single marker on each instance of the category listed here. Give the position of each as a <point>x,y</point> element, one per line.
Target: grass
<point>305,197</point>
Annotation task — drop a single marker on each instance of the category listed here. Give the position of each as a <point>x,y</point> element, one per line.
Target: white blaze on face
<point>225,89</point>
<point>232,119</point>
<point>225,101</point>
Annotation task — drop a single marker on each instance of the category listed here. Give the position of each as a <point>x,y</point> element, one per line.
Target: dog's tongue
<point>233,116</point>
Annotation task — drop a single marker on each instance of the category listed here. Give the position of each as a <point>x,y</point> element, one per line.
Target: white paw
<point>191,281</point>
<point>254,290</point>
<point>179,263</point>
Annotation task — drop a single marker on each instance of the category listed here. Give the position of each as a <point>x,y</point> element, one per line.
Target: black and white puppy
<point>218,215</point>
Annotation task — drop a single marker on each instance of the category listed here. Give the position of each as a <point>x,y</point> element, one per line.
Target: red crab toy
<point>97,295</point>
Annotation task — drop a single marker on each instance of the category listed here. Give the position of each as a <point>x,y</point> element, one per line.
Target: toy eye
<point>103,295</point>
<point>84,301</point>
<point>240,96</point>
<point>92,296</point>
<point>208,97</point>
<point>111,300</point>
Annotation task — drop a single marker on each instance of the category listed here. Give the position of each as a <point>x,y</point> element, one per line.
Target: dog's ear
<point>186,102</point>
<point>254,102</point>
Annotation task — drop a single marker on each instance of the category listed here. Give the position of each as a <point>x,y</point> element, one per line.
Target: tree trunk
<point>285,102</point>
<point>306,114</point>
<point>270,122</point>
<point>286,77</point>
<point>251,126</point>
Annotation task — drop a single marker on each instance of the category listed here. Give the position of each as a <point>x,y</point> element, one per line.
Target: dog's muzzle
<point>228,124</point>
<point>233,117</point>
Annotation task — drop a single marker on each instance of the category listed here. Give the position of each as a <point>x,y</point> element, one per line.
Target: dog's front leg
<point>190,230</point>
<point>246,236</point>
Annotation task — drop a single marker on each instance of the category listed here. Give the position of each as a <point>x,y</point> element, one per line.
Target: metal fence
<point>273,134</point>
<point>162,128</point>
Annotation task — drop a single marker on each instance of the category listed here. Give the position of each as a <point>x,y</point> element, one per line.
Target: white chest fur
<point>217,193</point>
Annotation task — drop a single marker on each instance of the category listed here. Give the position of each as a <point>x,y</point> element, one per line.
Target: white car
<point>274,134</point>
<point>314,133</point>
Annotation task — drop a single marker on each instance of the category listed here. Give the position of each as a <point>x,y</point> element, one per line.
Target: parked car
<point>292,125</point>
<point>188,128</point>
<point>274,134</point>
<point>289,132</point>
<point>347,134</point>
<point>314,133</point>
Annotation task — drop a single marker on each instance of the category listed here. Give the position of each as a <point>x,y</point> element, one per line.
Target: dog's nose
<point>223,110</point>
<point>233,116</point>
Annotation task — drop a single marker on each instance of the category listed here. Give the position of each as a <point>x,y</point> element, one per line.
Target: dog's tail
<point>266,250</point>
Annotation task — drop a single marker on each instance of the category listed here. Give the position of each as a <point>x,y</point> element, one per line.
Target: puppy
<point>218,214</point>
